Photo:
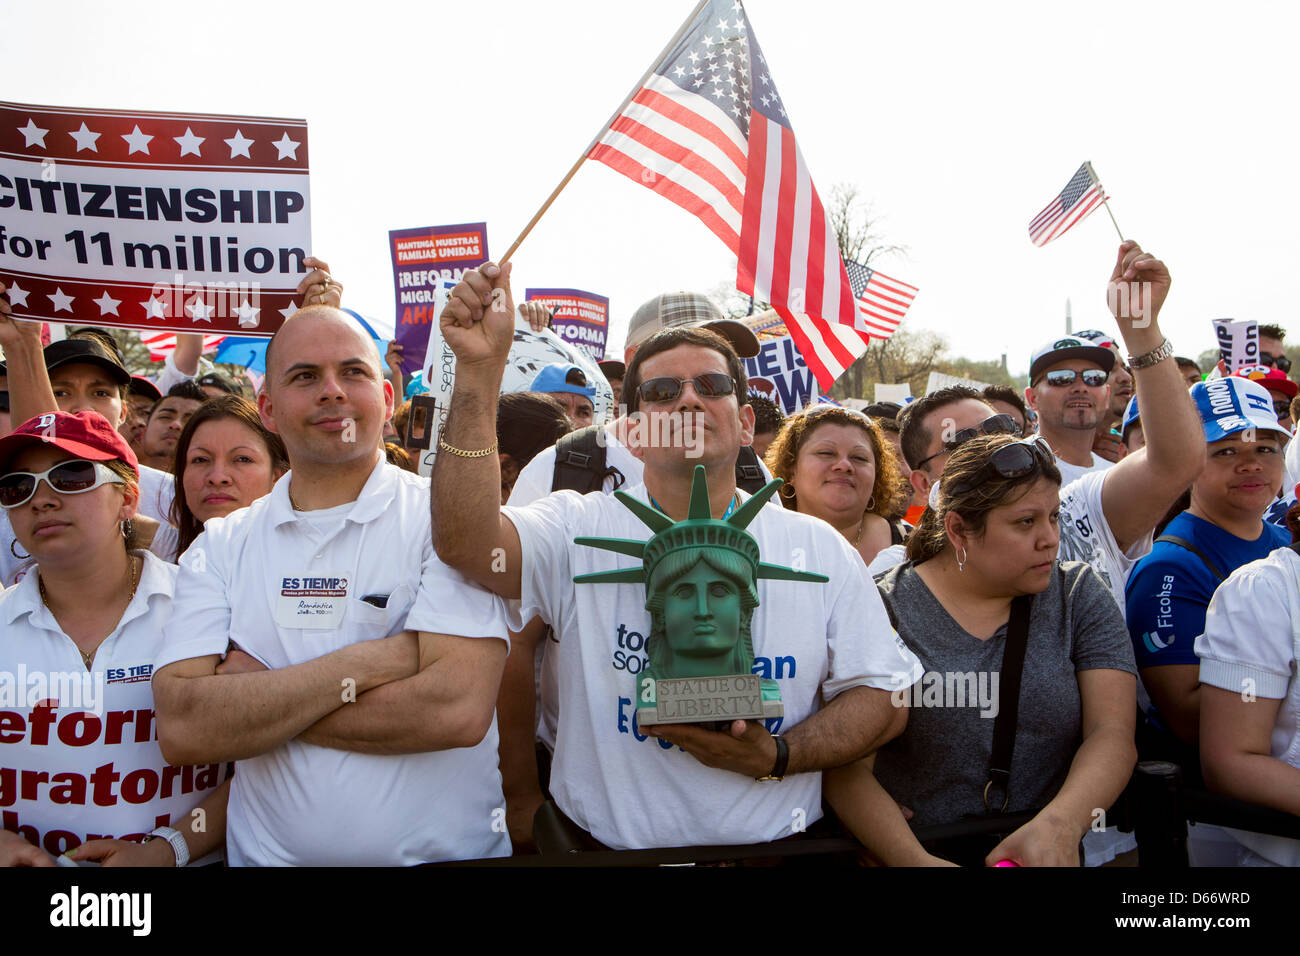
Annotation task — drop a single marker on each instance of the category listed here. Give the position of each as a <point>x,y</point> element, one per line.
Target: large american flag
<point>709,131</point>
<point>1080,197</point>
<point>882,301</point>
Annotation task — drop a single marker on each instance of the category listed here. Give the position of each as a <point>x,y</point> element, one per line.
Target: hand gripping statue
<point>701,579</point>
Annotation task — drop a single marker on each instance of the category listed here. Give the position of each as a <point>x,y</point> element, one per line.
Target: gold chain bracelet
<point>462,453</point>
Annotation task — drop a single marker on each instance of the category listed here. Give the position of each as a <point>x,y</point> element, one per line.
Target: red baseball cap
<point>86,434</point>
<point>139,385</point>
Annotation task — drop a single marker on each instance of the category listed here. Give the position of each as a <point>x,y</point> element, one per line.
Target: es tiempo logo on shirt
<point>313,587</point>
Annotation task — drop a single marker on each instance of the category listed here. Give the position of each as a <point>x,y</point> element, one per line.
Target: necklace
<point>88,659</point>
<point>292,504</point>
<point>858,537</point>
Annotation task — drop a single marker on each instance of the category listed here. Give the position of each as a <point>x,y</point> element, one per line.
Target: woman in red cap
<point>81,775</point>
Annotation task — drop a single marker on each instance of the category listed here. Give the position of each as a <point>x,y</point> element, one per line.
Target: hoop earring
<point>871,502</point>
<point>787,487</point>
<point>127,529</point>
<point>961,559</point>
<point>13,549</point>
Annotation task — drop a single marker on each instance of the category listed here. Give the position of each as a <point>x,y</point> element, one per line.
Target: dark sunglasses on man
<point>997,425</point>
<point>1061,377</point>
<point>1016,460</point>
<point>1280,362</point>
<point>708,385</point>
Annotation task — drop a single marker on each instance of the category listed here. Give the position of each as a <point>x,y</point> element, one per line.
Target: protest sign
<point>1238,342</point>
<point>778,372</point>
<point>580,318</point>
<point>154,221</point>
<point>938,380</point>
<point>900,393</point>
<point>421,258</point>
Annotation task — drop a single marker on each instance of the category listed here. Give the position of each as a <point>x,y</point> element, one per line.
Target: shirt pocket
<point>366,622</point>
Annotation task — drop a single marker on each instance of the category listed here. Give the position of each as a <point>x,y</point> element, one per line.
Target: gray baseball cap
<point>689,308</point>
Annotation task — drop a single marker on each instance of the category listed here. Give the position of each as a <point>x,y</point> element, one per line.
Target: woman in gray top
<point>989,536</point>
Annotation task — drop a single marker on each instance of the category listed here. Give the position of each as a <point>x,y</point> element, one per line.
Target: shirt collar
<point>375,497</point>
<point>156,577</point>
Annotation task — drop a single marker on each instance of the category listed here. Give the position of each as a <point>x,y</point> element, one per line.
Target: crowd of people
<point>248,630</point>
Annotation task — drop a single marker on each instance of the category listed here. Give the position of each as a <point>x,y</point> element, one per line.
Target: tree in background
<point>908,356</point>
<point>134,351</point>
<point>857,227</point>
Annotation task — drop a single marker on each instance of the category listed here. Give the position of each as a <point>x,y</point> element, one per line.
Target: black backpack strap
<point>749,474</point>
<point>580,462</point>
<point>1187,545</point>
<point>1004,725</point>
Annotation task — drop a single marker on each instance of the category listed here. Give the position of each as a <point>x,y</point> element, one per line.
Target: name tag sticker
<point>312,603</point>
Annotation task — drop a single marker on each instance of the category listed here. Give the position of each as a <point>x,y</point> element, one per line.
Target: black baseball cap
<point>217,380</point>
<point>87,352</point>
<point>613,368</point>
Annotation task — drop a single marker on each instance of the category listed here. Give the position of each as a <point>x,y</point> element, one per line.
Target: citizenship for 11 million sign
<point>175,221</point>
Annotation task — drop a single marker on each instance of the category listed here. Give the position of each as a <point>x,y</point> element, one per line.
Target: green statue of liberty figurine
<point>701,580</point>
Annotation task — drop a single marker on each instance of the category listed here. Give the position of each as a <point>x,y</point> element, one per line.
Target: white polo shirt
<point>91,766</point>
<point>246,579</point>
<point>815,639</point>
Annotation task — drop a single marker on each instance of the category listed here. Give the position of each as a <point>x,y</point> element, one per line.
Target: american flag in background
<point>1080,197</point>
<point>882,301</point>
<point>709,131</point>
<point>163,344</point>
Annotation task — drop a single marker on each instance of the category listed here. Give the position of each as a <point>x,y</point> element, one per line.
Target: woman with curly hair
<point>838,467</point>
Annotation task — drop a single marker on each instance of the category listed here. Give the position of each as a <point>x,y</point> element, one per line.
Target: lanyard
<point>727,514</point>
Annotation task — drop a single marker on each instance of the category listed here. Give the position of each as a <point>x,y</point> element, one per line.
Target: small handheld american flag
<point>1080,197</point>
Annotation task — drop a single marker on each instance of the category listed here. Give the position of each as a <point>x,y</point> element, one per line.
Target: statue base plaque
<point>683,700</point>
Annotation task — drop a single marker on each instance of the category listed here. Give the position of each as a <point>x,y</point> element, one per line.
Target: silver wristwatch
<point>179,846</point>
<point>1154,357</point>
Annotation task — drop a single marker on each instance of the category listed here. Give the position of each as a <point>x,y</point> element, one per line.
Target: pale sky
<point>958,121</point>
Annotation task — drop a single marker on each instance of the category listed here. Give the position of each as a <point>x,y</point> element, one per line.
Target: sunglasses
<point>1062,377</point>
<point>997,425</point>
<point>1280,362</point>
<point>1016,460</point>
<point>708,385</point>
<point>67,478</point>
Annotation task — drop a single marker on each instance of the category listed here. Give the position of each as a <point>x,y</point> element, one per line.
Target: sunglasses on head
<point>1015,460</point>
<point>67,478</point>
<point>1280,362</point>
<point>708,385</point>
<point>1060,377</point>
<point>997,425</point>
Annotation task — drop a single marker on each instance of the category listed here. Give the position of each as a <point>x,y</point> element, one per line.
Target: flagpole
<point>654,64</point>
<point>1093,173</point>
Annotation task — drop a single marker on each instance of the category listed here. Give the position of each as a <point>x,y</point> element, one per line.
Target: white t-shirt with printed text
<point>816,639</point>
